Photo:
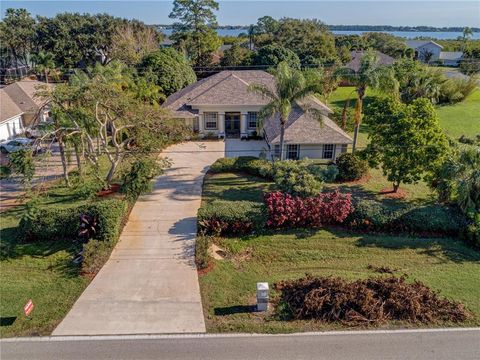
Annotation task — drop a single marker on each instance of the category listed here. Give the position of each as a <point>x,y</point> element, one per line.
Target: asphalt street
<point>459,344</point>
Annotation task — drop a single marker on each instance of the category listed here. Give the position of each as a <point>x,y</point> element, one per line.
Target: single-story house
<point>21,107</point>
<point>425,50</point>
<point>451,58</point>
<point>11,123</point>
<point>354,64</point>
<point>221,106</point>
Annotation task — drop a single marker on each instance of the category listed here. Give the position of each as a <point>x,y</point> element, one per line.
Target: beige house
<point>221,106</point>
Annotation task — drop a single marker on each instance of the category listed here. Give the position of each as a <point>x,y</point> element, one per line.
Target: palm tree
<point>252,32</point>
<point>467,33</point>
<point>44,63</point>
<point>370,75</point>
<point>291,88</point>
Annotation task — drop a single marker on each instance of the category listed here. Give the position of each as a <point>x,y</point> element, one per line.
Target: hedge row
<point>429,219</point>
<point>231,218</point>
<point>283,210</point>
<point>247,164</point>
<point>54,224</point>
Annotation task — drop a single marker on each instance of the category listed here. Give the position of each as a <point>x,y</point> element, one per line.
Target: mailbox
<point>262,296</point>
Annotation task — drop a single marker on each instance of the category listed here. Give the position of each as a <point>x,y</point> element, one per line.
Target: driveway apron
<point>149,285</point>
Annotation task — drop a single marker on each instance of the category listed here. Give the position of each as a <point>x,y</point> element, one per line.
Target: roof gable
<point>8,108</point>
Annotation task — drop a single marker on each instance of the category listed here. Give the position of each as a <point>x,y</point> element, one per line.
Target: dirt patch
<point>364,179</point>
<point>367,302</point>
<point>217,252</point>
<point>388,193</point>
<point>206,270</point>
<point>240,259</point>
<point>382,269</point>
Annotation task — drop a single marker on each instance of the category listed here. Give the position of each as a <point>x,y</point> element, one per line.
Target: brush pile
<point>367,302</point>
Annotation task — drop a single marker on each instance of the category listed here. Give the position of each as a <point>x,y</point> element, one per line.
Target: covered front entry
<point>232,124</point>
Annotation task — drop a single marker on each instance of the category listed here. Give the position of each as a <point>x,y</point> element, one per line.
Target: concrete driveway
<point>149,285</point>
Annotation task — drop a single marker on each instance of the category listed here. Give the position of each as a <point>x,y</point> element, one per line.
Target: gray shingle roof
<point>450,55</point>
<point>354,64</point>
<point>230,88</point>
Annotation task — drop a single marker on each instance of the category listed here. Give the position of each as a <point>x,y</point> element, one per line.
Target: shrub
<point>54,223</point>
<point>471,234</point>
<point>294,177</point>
<point>95,254</point>
<point>351,167</point>
<point>326,174</point>
<point>248,164</point>
<point>231,217</point>
<point>369,301</point>
<point>139,179</point>
<point>202,255</point>
<point>285,210</point>
<point>431,219</point>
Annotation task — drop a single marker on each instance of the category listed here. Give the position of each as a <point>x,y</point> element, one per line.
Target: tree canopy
<point>406,140</point>
<point>272,55</point>
<point>169,69</point>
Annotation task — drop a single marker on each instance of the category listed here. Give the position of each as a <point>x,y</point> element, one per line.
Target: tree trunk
<point>344,114</point>
<point>46,76</point>
<point>396,185</point>
<point>78,157</point>
<point>358,118</point>
<point>112,170</point>
<point>64,160</point>
<point>282,136</point>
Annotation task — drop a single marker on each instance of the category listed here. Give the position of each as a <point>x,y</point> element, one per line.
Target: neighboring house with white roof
<point>222,106</point>
<point>429,51</point>
<point>20,107</point>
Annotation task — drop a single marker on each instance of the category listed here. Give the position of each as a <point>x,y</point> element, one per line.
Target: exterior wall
<point>432,48</point>
<point>454,63</point>
<point>315,151</point>
<point>11,128</point>
<point>221,110</point>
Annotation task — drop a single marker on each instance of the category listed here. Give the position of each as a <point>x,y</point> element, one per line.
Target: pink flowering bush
<point>285,210</point>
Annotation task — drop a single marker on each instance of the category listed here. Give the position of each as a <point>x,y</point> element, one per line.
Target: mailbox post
<point>262,296</point>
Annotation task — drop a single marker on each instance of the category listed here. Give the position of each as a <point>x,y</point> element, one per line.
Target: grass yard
<point>41,271</point>
<point>456,120</point>
<point>462,118</point>
<point>228,290</point>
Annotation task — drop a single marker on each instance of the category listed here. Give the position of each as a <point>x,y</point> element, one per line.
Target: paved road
<point>149,284</point>
<point>424,345</point>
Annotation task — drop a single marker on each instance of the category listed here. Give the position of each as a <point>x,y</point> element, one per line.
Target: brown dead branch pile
<point>370,301</point>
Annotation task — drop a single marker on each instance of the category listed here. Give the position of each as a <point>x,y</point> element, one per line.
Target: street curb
<point>229,335</point>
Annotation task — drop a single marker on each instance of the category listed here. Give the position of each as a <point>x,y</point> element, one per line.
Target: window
<point>276,151</point>
<point>292,151</point>
<point>328,150</point>
<point>211,120</point>
<point>252,120</point>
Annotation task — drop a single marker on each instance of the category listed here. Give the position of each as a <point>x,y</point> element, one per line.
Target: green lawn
<point>228,290</point>
<point>43,272</point>
<point>462,118</point>
<point>456,120</point>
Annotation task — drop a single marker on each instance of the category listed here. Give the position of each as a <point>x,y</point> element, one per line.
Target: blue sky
<point>386,12</point>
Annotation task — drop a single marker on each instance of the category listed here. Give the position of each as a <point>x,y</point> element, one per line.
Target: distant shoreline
<point>356,28</point>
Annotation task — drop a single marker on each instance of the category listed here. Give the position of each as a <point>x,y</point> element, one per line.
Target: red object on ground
<point>28,307</point>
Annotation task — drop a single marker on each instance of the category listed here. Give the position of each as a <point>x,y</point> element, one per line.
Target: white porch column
<point>221,124</point>
<point>243,125</point>
<point>201,129</point>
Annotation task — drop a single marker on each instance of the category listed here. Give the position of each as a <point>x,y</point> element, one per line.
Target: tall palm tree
<point>291,88</point>
<point>467,33</point>
<point>371,74</point>
<point>44,63</point>
<point>252,32</point>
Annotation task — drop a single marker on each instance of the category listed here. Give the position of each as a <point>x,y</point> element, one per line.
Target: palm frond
<point>263,91</point>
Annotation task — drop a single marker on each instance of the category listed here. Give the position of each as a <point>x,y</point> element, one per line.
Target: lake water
<point>443,35</point>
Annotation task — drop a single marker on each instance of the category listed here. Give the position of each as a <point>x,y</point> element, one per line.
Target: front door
<point>232,124</point>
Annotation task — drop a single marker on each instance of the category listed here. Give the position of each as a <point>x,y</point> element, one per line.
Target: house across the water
<point>221,106</point>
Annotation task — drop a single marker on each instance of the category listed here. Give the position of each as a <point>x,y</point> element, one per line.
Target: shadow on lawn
<point>235,309</point>
<point>443,249</point>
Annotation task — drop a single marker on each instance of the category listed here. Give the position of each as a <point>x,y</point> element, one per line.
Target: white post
<point>243,126</point>
<point>262,296</point>
<point>201,128</point>
<point>221,124</point>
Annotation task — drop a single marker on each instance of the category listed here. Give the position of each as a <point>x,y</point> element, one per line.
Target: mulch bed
<point>367,302</point>
<point>114,188</point>
<point>388,193</point>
